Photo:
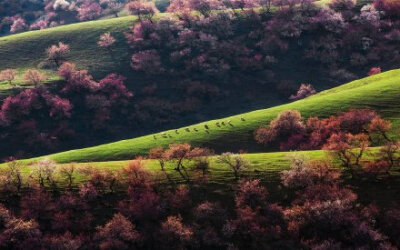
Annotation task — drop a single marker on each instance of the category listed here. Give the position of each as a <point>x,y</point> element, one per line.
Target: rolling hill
<point>380,92</point>
<point>21,50</point>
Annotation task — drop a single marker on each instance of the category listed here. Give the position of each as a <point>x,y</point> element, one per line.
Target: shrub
<point>106,40</point>
<point>374,71</point>
<point>304,91</point>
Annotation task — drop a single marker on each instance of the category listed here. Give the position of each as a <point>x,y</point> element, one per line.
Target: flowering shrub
<point>304,91</point>
<point>374,71</point>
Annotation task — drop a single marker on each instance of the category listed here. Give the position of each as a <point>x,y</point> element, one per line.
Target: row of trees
<point>347,136</point>
<point>127,209</point>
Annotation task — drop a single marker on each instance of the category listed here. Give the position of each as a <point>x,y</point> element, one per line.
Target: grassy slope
<point>380,92</point>
<point>27,49</point>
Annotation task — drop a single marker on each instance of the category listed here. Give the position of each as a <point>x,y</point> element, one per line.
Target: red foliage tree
<point>349,150</point>
<point>356,121</point>
<point>64,241</point>
<point>21,234</point>
<point>175,234</point>
<point>286,124</point>
<point>28,113</point>
<point>118,233</point>
<point>258,223</point>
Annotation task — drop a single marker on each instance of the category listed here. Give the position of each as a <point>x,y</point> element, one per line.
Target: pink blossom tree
<point>374,71</point>
<point>112,6</point>
<point>34,77</point>
<point>89,10</point>
<point>18,24</point>
<point>106,40</point>
<point>8,75</point>
<point>242,4</point>
<point>39,25</point>
<point>143,9</point>
<point>58,53</point>
<point>304,91</point>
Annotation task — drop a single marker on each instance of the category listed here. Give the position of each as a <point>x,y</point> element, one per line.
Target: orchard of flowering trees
<point>183,196</point>
<point>130,209</point>
<point>222,44</point>
<point>212,51</point>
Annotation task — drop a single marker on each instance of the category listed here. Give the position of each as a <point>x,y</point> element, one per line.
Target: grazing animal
<point>217,123</point>
<point>242,118</point>
<point>223,123</point>
<point>195,129</point>
<point>206,126</point>
<point>229,121</point>
<point>187,129</point>
<point>176,131</point>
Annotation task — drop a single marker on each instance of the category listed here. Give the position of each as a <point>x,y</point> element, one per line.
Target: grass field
<point>380,92</point>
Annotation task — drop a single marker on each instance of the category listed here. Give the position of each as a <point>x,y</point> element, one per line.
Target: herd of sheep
<point>206,128</point>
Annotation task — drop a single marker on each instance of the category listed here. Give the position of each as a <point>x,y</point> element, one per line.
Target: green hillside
<point>380,92</point>
<point>21,50</point>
